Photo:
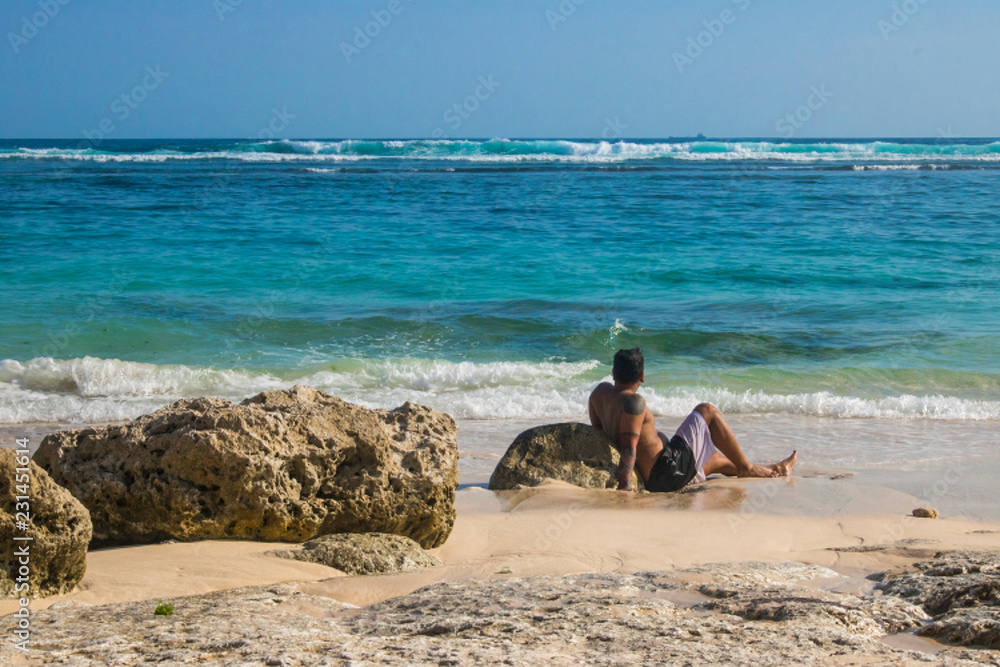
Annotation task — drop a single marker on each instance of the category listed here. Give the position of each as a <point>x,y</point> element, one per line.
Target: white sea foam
<point>514,151</point>
<point>91,390</point>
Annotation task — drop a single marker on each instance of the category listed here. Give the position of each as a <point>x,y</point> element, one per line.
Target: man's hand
<point>625,468</point>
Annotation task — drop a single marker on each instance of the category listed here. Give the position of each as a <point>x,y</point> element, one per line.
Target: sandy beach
<point>704,557</point>
<point>559,529</point>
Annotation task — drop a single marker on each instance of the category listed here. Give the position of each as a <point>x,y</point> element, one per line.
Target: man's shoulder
<point>634,404</point>
<point>602,389</point>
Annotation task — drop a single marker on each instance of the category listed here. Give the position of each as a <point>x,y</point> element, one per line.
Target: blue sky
<point>491,68</point>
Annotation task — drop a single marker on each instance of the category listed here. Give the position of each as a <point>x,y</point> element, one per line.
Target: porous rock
<point>652,618</point>
<point>575,453</point>
<point>364,553</point>
<point>285,465</point>
<point>58,525</point>
<point>960,590</point>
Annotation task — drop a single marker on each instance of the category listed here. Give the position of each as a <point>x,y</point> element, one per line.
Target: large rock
<point>59,527</point>
<point>575,453</point>
<point>364,553</point>
<point>282,466</point>
<point>960,590</point>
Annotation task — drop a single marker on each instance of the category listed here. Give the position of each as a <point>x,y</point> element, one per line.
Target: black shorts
<point>674,467</point>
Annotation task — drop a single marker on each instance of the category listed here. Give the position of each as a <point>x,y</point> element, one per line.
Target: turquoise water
<point>495,279</point>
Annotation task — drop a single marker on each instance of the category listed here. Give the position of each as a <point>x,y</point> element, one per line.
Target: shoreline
<point>958,483</point>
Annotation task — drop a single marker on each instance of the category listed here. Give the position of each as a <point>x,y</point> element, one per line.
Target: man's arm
<point>627,443</point>
<point>628,437</point>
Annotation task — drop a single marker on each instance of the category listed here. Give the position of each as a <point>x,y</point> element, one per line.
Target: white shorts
<point>695,432</point>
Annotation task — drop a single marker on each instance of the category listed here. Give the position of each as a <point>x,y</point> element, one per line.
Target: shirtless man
<point>703,445</point>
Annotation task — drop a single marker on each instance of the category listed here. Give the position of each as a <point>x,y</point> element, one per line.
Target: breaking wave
<point>91,390</point>
<point>856,153</point>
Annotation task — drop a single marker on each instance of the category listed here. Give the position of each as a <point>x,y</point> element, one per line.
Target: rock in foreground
<point>710,616</point>
<point>960,590</point>
<point>284,465</point>
<point>364,553</point>
<point>59,527</point>
<point>575,453</point>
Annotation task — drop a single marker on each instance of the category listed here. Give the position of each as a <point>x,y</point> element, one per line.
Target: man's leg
<point>730,459</point>
<point>718,464</point>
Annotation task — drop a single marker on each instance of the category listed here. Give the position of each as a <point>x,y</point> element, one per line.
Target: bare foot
<point>759,471</point>
<point>784,468</point>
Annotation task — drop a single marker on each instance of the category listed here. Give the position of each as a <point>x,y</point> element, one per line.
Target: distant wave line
<point>558,151</point>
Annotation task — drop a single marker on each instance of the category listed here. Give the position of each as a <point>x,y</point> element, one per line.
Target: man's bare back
<point>607,407</point>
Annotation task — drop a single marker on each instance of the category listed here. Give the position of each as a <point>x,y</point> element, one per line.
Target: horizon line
<point>699,137</point>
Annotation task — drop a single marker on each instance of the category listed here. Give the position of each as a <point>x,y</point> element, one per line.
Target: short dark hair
<point>628,366</point>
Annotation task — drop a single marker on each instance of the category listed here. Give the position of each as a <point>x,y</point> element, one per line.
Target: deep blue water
<point>497,278</point>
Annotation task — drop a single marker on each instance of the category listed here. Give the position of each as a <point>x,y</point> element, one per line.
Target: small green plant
<point>164,609</point>
<point>506,570</point>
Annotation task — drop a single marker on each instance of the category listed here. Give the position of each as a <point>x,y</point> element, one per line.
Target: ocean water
<point>838,292</point>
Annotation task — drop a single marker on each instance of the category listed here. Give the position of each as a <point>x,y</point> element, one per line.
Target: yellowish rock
<point>285,465</point>
<point>59,530</point>
<point>574,453</point>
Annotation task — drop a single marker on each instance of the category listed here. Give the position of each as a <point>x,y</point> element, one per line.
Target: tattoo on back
<point>635,404</point>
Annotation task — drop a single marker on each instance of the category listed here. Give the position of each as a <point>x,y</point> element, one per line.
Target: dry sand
<point>558,529</point>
